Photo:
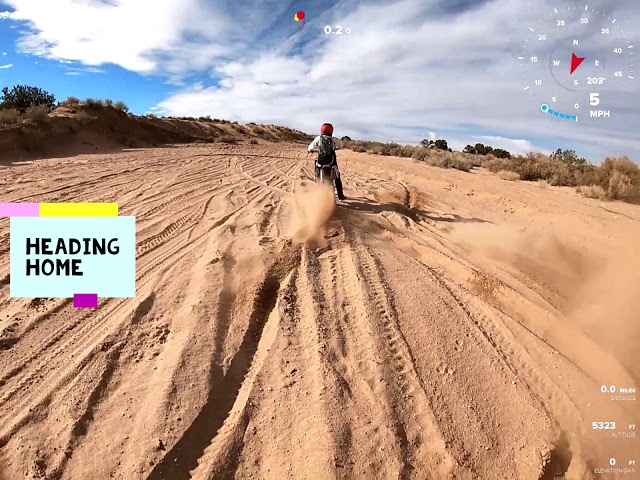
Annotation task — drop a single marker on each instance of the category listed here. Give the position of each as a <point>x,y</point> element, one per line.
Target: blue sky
<point>408,70</point>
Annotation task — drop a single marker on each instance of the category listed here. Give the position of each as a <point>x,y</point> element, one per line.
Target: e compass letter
<point>63,256</point>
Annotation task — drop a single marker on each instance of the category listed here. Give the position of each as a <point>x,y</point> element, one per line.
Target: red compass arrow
<point>575,62</point>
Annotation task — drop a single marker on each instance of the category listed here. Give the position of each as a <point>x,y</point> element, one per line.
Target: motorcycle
<point>327,176</point>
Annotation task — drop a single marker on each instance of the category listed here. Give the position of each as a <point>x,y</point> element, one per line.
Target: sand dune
<point>438,324</point>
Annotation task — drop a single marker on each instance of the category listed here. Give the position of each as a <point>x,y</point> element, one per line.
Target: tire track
<point>141,280</point>
<point>355,376</point>
<point>421,440</point>
<point>183,456</point>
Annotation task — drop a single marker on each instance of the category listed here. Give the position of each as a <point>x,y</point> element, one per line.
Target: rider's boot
<point>339,189</point>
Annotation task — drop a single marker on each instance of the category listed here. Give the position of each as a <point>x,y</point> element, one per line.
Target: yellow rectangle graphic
<point>78,209</point>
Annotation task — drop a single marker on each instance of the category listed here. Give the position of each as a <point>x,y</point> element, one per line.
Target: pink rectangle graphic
<point>85,300</point>
<point>19,209</point>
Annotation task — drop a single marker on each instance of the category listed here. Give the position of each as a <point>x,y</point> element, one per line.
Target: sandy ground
<point>438,324</point>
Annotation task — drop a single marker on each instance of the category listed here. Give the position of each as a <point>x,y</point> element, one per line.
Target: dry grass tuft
<point>38,114</point>
<point>507,175</point>
<point>9,116</point>
<point>94,103</point>
<point>121,106</point>
<point>592,191</point>
<point>227,139</point>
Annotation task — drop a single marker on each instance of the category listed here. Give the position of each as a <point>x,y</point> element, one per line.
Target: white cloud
<point>8,65</point>
<point>393,77</point>
<point>4,54</point>
<point>511,144</point>
<point>139,35</point>
<point>81,70</point>
<point>409,67</point>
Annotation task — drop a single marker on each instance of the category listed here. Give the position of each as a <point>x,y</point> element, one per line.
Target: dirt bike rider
<point>326,145</point>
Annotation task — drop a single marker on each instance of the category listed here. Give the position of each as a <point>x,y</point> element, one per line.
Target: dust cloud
<point>314,207</point>
<point>598,295</point>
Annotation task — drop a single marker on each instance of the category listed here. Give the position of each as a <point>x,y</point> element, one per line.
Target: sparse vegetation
<point>592,191</point>
<point>619,178</point>
<point>94,103</point>
<point>227,139</point>
<point>38,113</point>
<point>22,97</point>
<point>428,152</point>
<point>507,175</point>
<point>121,106</point>
<point>108,102</point>
<point>71,102</point>
<point>253,141</point>
<point>9,116</point>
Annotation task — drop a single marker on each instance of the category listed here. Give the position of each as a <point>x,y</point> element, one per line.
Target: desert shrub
<point>258,130</point>
<point>253,141</point>
<point>346,139</point>
<point>94,103</point>
<point>592,191</point>
<point>71,102</point>
<point>108,102</point>
<point>119,105</point>
<point>420,154</point>
<point>619,185</point>
<point>38,113</point>
<point>508,175</point>
<point>496,165</point>
<point>22,97</point>
<point>9,116</point>
<point>620,177</point>
<point>448,160</point>
<point>227,139</point>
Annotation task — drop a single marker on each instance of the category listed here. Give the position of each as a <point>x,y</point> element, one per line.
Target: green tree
<point>470,149</point>
<point>480,149</point>
<point>441,144</point>
<point>501,153</point>
<point>23,97</point>
<point>568,157</point>
<point>426,143</point>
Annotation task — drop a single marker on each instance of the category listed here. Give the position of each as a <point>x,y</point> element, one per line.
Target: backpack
<point>326,151</point>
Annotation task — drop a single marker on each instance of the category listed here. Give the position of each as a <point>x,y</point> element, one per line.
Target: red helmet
<point>326,129</point>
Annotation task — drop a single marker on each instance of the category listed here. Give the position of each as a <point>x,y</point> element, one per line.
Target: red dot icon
<point>299,16</point>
